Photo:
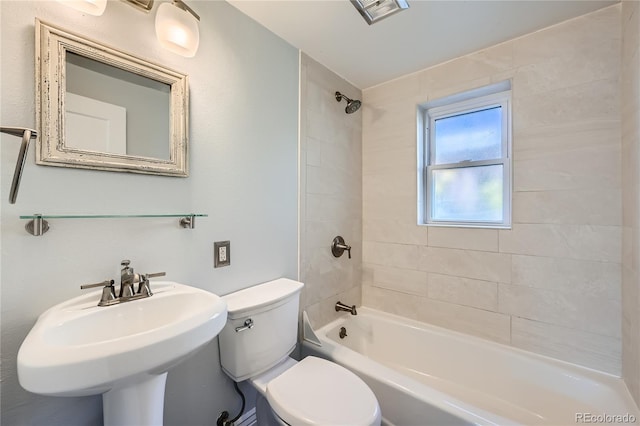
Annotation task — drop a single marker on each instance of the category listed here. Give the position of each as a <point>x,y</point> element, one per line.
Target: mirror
<point>103,109</point>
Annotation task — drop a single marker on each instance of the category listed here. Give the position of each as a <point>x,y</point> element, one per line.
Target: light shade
<point>177,29</point>
<point>92,7</point>
<point>375,10</point>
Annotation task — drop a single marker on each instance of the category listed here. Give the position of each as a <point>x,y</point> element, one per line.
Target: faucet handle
<point>125,263</point>
<point>105,283</point>
<point>156,274</point>
<point>143,286</point>
<point>108,292</point>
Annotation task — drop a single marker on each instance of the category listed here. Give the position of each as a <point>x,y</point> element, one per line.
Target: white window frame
<point>460,104</point>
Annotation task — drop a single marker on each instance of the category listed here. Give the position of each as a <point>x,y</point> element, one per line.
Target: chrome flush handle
<point>247,325</point>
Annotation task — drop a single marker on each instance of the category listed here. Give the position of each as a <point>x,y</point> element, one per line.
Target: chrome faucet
<point>127,280</point>
<point>342,307</point>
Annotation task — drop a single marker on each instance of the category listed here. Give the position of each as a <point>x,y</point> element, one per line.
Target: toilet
<point>260,333</point>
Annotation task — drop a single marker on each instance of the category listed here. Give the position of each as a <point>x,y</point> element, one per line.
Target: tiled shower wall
<point>552,283</point>
<point>330,192</point>
<point>630,92</point>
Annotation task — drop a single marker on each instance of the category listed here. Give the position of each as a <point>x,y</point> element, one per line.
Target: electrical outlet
<point>221,253</point>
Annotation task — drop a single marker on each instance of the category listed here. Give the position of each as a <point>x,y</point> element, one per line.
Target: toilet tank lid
<point>260,295</point>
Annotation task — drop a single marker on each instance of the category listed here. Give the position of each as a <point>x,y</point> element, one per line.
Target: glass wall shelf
<point>38,225</point>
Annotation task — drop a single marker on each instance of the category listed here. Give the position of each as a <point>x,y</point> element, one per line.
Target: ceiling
<point>428,33</point>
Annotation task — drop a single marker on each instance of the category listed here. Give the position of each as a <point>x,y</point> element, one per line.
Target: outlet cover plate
<point>221,253</point>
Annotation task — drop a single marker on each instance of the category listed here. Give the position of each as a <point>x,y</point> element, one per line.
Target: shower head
<point>352,104</point>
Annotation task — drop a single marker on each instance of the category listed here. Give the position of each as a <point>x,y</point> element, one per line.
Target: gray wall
<point>330,192</point>
<point>243,132</point>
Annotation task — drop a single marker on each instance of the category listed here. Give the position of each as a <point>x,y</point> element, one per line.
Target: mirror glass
<point>101,108</point>
<point>124,112</point>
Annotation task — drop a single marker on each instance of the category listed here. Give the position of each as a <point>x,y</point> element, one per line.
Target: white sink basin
<point>77,348</point>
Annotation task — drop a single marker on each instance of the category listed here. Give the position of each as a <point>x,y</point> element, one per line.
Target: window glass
<point>472,136</point>
<point>468,194</point>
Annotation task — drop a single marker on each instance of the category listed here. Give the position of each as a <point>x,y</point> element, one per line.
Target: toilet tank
<point>272,309</point>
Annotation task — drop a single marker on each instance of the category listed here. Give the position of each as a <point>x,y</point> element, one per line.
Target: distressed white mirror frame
<point>52,44</point>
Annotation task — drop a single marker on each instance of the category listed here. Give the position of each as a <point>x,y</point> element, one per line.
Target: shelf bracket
<point>37,226</point>
<point>188,221</point>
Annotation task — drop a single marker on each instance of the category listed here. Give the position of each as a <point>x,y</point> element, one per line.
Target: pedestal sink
<point>122,352</point>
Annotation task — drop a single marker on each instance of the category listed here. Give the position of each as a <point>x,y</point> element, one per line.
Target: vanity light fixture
<point>177,28</point>
<point>144,5</point>
<point>92,7</point>
<point>375,10</point>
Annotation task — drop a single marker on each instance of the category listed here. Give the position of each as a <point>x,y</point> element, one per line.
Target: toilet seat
<point>318,392</point>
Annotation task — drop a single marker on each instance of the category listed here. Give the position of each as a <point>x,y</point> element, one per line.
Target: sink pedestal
<point>139,403</point>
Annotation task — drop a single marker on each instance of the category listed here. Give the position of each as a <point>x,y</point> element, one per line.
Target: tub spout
<point>342,307</point>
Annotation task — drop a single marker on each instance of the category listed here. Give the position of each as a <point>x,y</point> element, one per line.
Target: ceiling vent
<point>374,10</point>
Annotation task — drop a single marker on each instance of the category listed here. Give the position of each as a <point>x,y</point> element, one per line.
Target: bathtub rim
<point>476,339</point>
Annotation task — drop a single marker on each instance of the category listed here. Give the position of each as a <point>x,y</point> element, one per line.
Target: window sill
<point>466,225</point>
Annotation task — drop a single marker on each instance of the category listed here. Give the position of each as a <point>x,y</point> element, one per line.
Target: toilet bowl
<point>255,344</point>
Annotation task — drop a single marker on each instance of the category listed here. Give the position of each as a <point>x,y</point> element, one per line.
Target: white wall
<point>243,132</point>
<point>630,91</point>
<point>552,283</point>
<point>330,192</point>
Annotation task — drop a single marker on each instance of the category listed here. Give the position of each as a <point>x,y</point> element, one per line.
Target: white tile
<point>325,181</point>
<point>367,273</point>
<point>576,65</point>
<point>388,127</point>
<point>324,128</point>
<point>394,231</point>
<point>323,312</point>
<point>593,32</point>
<point>587,242</point>
<point>393,302</point>
<point>591,350</point>
<point>480,265</point>
<point>478,322</point>
<point>597,100</point>
<point>314,152</point>
<point>464,238</point>
<point>464,291</point>
<point>479,65</point>
<point>320,234</point>
<point>383,162</point>
<point>398,255</point>
<point>576,207</point>
<point>346,158</point>
<point>395,183</point>
<point>398,279</point>
<point>589,168</point>
<point>589,278</point>
<point>544,142</point>
<point>401,208</point>
<point>564,308</point>
<point>438,91</point>
<point>324,208</point>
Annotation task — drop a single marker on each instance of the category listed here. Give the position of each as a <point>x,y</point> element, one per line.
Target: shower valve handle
<point>338,247</point>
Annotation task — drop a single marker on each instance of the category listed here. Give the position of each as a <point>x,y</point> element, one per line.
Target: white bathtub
<point>427,375</point>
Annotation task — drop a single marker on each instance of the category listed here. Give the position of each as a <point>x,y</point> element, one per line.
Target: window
<point>466,159</point>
